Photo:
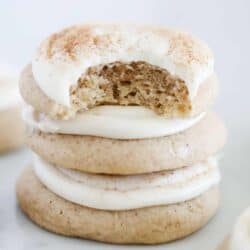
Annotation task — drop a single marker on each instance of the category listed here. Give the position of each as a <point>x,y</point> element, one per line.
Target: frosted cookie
<point>124,145</point>
<point>86,66</point>
<point>148,225</point>
<point>35,97</point>
<point>239,238</point>
<point>11,124</point>
<point>112,156</point>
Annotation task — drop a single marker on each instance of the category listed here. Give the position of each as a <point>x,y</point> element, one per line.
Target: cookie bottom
<point>150,225</point>
<point>12,129</point>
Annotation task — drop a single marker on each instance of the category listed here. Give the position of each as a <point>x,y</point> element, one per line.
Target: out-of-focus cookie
<point>11,124</point>
<point>239,239</point>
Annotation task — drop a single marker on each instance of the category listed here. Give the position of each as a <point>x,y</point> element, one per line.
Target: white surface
<point>224,25</point>
<point>119,122</point>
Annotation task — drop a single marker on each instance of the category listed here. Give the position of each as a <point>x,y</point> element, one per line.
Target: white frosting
<point>240,239</point>
<point>9,93</point>
<point>181,55</point>
<point>128,192</point>
<point>118,122</point>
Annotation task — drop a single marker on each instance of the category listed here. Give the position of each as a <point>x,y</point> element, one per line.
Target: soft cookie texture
<point>11,129</point>
<point>162,74</point>
<point>142,226</point>
<point>110,156</point>
<point>35,97</point>
<point>88,65</point>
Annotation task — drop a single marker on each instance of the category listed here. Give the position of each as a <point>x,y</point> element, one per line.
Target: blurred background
<point>223,24</point>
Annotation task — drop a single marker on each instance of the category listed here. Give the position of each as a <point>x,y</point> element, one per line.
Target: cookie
<point>224,245</point>
<point>35,97</point>
<point>85,66</point>
<point>11,125</point>
<point>110,156</point>
<point>12,129</point>
<point>150,225</point>
<point>239,237</point>
<point>124,145</point>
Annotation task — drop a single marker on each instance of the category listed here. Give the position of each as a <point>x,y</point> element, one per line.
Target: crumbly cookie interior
<point>135,83</point>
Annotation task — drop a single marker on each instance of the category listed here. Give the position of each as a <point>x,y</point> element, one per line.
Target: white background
<point>223,24</point>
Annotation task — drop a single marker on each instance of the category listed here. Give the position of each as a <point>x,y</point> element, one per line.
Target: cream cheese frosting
<point>118,122</point>
<point>240,238</point>
<point>128,192</point>
<point>65,56</point>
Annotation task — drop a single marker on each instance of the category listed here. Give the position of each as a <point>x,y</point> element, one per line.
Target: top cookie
<point>90,65</point>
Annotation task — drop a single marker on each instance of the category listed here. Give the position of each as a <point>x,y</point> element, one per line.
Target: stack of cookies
<point>124,144</point>
<point>11,124</point>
